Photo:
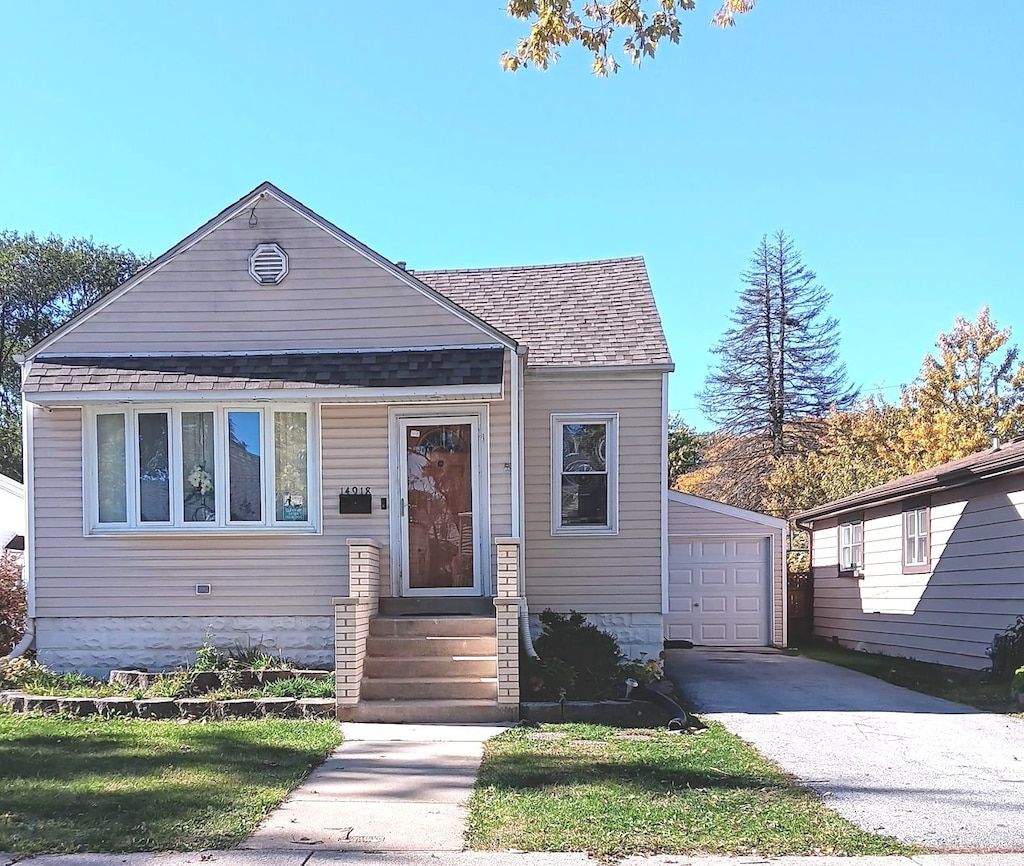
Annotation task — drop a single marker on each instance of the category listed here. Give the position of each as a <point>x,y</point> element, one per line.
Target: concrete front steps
<point>431,669</point>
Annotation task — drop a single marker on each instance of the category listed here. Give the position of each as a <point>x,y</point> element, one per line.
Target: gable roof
<point>599,313</point>
<point>977,467</point>
<point>250,199</point>
<point>721,508</point>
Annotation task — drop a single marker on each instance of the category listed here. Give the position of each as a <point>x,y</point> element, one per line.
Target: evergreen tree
<point>778,365</point>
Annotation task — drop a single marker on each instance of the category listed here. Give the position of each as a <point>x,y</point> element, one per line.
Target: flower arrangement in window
<point>201,482</point>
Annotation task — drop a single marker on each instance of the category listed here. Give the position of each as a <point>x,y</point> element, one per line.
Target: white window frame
<point>223,524</point>
<point>922,533</point>
<point>848,542</point>
<point>611,422</point>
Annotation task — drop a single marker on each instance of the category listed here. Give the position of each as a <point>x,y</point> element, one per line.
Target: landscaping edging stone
<point>622,714</point>
<point>170,708</point>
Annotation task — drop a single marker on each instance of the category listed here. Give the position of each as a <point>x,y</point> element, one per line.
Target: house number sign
<point>355,500</point>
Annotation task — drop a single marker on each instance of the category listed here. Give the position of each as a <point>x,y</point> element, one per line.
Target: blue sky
<point>885,136</point>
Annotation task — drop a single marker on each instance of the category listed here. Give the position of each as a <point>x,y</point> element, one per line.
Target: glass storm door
<point>440,537</point>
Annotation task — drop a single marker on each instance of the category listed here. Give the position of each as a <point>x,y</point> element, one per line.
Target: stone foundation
<point>639,634</point>
<point>96,645</point>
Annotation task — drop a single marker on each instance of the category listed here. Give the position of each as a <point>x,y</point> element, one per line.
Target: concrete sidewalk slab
<point>386,788</point>
<point>488,858</point>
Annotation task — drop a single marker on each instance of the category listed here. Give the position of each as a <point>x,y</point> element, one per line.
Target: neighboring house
<point>929,566</point>
<point>273,433</point>
<point>12,514</point>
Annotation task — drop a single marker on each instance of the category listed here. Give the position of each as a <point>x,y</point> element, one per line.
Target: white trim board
<point>344,394</point>
<point>722,508</point>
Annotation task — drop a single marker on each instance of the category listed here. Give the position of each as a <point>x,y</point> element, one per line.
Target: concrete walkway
<point>306,857</point>
<point>386,788</point>
<point>924,770</point>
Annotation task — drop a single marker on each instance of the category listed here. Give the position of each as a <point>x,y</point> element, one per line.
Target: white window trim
<point>922,518</point>
<point>856,568</point>
<point>611,420</point>
<point>177,524</point>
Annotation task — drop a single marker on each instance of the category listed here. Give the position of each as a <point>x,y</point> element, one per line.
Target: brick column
<point>506,604</point>
<point>352,620</point>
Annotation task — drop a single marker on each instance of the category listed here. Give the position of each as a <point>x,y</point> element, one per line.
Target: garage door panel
<point>713,604</point>
<point>718,592</point>
<point>713,633</point>
<point>713,577</point>
<point>747,576</point>
<point>680,631</point>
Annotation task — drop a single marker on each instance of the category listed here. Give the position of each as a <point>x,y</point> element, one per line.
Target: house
<point>12,514</point>
<point>929,566</point>
<point>272,433</point>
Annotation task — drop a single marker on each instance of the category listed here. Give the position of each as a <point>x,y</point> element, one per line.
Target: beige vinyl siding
<point>596,574</point>
<point>251,574</point>
<point>204,300</point>
<point>690,520</point>
<point>975,587</point>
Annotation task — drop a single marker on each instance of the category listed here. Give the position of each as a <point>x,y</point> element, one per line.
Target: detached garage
<point>726,583</point>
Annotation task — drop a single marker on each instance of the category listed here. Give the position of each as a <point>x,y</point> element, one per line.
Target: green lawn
<point>615,792</point>
<point>953,684</point>
<point>128,785</point>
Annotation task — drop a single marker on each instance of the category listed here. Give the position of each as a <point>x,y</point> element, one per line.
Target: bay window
<point>200,468</point>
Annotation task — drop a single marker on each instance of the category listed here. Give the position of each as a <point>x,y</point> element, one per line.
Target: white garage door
<point>719,591</point>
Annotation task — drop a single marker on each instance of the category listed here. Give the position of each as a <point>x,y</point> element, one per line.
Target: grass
<point>614,793</point>
<point>129,785</point>
<point>953,684</point>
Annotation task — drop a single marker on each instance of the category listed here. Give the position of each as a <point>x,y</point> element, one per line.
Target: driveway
<point>893,761</point>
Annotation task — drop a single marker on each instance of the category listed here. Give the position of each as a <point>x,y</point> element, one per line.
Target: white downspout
<point>518,365</point>
<point>26,463</point>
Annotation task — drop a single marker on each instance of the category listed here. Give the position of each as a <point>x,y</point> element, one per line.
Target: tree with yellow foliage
<point>969,391</point>
<point>557,23</point>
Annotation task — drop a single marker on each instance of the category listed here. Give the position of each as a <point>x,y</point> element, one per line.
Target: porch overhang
<point>368,376</point>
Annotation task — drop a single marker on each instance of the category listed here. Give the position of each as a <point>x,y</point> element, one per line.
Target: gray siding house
<point>929,566</point>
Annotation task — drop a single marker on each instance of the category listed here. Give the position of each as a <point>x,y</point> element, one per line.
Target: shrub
<point>13,603</point>
<point>1017,687</point>
<point>1007,651</point>
<point>23,672</point>
<point>208,657</point>
<point>593,655</point>
<point>546,679</point>
<point>297,687</point>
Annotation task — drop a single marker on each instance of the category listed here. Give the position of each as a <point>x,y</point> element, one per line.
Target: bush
<point>1017,686</point>
<point>22,672</point>
<point>592,655</point>
<point>296,687</point>
<point>546,679</point>
<point>13,603</point>
<point>1007,651</point>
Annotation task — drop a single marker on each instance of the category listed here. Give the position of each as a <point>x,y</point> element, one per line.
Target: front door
<point>439,505</point>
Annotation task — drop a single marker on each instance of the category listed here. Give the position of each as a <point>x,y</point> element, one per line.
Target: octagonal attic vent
<point>268,264</point>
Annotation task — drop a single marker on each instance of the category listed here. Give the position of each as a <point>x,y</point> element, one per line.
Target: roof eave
<point>859,502</point>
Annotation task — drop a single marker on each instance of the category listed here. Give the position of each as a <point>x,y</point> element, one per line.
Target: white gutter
<point>517,421</point>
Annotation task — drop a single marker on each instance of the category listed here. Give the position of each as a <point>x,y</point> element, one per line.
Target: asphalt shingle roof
<point>306,370</point>
<point>956,473</point>
<point>568,315</point>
